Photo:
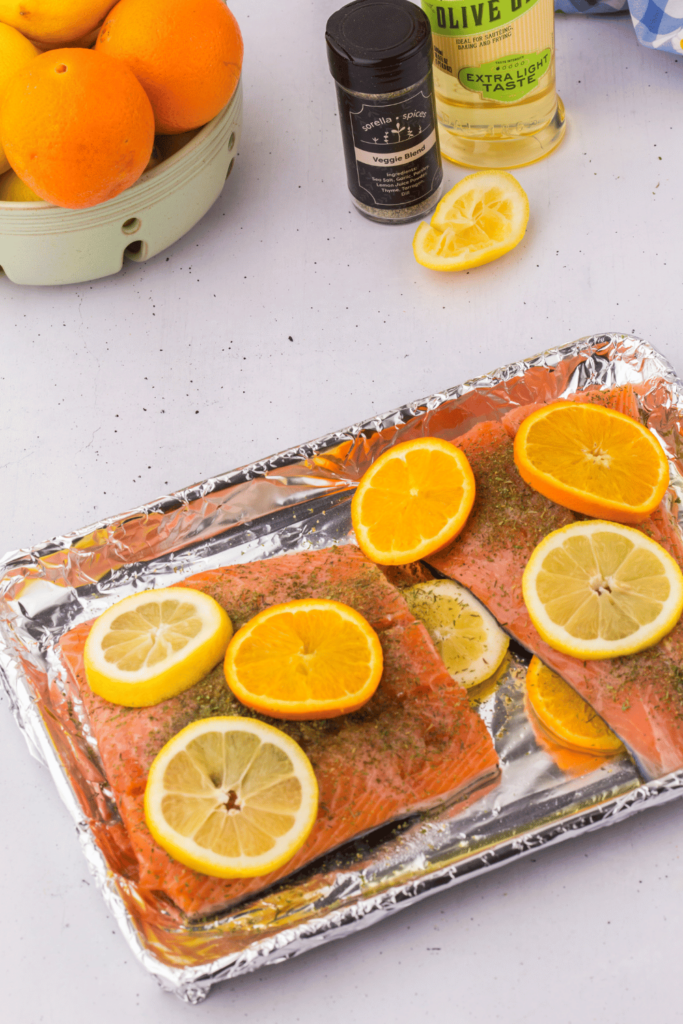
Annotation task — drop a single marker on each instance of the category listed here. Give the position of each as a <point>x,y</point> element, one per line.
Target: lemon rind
<point>594,650</point>
<point>439,222</point>
<point>193,856</point>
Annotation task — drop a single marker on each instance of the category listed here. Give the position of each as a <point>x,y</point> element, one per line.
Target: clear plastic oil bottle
<point>494,79</point>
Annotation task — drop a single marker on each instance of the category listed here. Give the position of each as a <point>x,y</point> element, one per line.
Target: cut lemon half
<point>155,644</point>
<point>231,797</point>
<point>305,659</point>
<point>568,717</point>
<point>412,501</point>
<point>600,590</point>
<point>471,643</point>
<point>592,460</point>
<point>482,218</point>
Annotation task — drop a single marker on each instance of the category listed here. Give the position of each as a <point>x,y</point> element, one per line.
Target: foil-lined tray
<point>299,500</point>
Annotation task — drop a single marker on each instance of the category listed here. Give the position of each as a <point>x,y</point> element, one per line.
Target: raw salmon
<point>639,696</point>
<point>414,746</point>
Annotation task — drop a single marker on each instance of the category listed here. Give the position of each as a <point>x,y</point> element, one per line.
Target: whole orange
<point>186,53</point>
<point>76,126</point>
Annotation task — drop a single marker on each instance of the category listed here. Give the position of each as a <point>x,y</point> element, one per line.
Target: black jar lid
<point>378,46</point>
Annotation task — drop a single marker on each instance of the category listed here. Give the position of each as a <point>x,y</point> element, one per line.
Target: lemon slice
<point>600,590</point>
<point>471,643</point>
<point>482,218</point>
<point>569,719</point>
<point>414,499</point>
<point>155,644</point>
<point>231,797</point>
<point>309,658</point>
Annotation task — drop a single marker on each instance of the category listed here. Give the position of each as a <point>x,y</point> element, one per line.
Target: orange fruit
<point>412,501</point>
<point>592,460</point>
<point>77,127</point>
<point>15,52</point>
<point>566,715</point>
<point>54,22</point>
<point>304,659</point>
<point>186,53</point>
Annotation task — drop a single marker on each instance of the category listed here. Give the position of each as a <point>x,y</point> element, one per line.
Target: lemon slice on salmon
<point>413,500</point>
<point>471,643</point>
<point>155,644</point>
<point>568,717</point>
<point>592,460</point>
<point>231,797</point>
<point>597,589</point>
<point>309,658</point>
<point>482,218</point>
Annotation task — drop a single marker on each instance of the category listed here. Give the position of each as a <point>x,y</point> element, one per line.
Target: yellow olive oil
<point>494,78</point>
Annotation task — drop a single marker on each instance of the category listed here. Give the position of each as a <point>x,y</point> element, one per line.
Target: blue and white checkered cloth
<point>658,23</point>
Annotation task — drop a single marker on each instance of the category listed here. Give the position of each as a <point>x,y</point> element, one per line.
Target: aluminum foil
<point>299,500</point>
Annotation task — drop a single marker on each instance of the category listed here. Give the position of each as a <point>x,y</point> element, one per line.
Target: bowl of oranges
<point>119,124</point>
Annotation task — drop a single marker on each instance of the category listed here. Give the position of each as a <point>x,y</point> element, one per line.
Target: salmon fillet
<point>415,745</point>
<point>640,696</point>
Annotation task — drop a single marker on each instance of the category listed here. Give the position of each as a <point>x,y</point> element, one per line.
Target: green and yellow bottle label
<point>498,49</point>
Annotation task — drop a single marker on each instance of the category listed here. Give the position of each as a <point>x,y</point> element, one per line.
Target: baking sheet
<point>299,500</point>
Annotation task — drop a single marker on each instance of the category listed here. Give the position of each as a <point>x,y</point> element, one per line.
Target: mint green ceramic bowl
<point>45,244</point>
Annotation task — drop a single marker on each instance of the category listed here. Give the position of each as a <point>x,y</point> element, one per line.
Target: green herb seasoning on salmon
<point>640,696</point>
<point>414,746</point>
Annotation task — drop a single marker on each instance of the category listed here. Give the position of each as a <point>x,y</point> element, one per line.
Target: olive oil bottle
<point>494,79</point>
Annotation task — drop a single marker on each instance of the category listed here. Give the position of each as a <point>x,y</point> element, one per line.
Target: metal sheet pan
<point>293,501</point>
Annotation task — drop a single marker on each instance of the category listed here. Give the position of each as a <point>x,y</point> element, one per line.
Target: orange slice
<point>566,715</point>
<point>412,501</point>
<point>304,659</point>
<point>592,460</point>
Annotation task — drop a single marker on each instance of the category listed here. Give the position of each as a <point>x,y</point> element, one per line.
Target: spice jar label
<point>393,159</point>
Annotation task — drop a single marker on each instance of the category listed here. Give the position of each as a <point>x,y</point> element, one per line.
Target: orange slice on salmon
<point>593,460</point>
<point>567,716</point>
<point>310,658</point>
<point>412,501</point>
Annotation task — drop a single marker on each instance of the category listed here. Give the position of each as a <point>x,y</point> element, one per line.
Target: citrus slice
<point>231,797</point>
<point>471,643</point>
<point>412,501</point>
<point>568,717</point>
<point>155,644</point>
<point>592,460</point>
<point>600,590</point>
<point>305,659</point>
<point>482,218</point>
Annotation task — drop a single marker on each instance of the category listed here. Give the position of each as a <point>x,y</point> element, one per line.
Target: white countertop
<point>284,315</point>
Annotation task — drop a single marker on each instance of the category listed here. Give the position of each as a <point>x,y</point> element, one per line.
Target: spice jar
<point>380,55</point>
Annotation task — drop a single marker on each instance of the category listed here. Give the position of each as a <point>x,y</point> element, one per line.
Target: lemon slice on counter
<point>231,797</point>
<point>482,218</point>
<point>567,716</point>
<point>601,590</point>
<point>155,644</point>
<point>309,658</point>
<point>471,643</point>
